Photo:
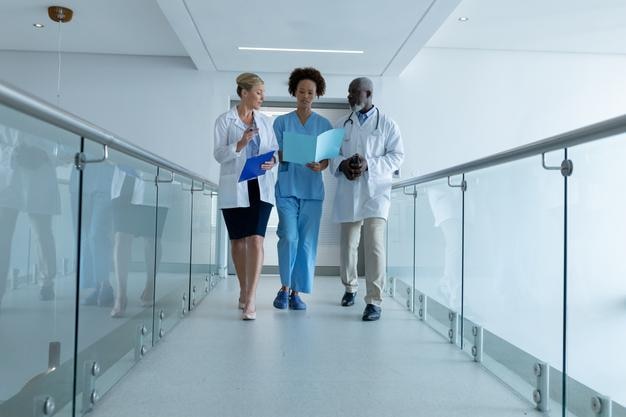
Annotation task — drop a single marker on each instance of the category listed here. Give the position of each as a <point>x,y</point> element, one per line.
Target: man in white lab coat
<point>371,151</point>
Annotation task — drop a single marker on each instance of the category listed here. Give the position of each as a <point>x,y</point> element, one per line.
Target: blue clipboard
<point>252,168</point>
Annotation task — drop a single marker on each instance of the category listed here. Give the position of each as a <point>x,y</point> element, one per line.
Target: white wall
<point>456,105</point>
<point>162,104</point>
<point>157,103</point>
<point>452,105</point>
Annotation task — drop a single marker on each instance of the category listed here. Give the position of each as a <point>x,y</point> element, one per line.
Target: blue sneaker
<point>296,303</point>
<point>282,300</point>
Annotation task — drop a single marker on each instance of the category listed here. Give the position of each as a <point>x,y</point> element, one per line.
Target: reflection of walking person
<point>28,183</point>
<point>446,208</point>
<point>96,232</point>
<point>372,150</point>
<point>241,133</point>
<point>134,214</point>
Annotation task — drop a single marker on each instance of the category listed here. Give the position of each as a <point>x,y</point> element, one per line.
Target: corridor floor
<point>322,362</point>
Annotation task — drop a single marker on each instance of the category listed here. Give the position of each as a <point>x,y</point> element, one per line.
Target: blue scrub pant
<point>298,230</point>
<point>97,244</point>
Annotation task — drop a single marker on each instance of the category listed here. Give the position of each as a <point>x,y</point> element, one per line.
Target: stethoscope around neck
<point>349,119</point>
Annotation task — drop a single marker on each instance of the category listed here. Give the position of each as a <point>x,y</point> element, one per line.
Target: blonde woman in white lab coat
<point>242,133</point>
<point>372,150</point>
<point>29,184</point>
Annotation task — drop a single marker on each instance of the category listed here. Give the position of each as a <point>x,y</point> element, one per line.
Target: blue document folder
<point>252,168</point>
<point>303,149</point>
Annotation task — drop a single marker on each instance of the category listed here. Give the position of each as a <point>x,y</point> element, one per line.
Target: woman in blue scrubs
<point>299,193</point>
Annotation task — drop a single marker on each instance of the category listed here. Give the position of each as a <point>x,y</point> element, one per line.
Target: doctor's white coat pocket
<point>379,185</point>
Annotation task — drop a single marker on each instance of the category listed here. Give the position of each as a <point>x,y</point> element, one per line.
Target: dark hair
<point>309,73</point>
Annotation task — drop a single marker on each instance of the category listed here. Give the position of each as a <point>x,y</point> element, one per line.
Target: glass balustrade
<point>438,246</point>
<point>516,264</point>
<point>596,287</point>
<point>400,240</point>
<point>202,238</point>
<point>498,271</point>
<point>38,229</point>
<point>118,227</point>
<point>173,246</point>
<point>89,259</point>
<point>513,278</point>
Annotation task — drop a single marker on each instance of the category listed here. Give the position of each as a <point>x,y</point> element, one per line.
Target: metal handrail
<point>42,110</point>
<point>574,137</point>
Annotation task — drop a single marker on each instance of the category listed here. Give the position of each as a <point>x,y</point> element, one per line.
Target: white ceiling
<point>391,33</point>
<point>209,31</point>
<point>386,32</point>
<point>574,26</point>
<point>134,27</point>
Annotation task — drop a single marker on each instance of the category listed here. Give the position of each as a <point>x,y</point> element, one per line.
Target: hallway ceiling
<point>571,26</point>
<point>130,27</point>
<point>209,32</point>
<point>390,33</point>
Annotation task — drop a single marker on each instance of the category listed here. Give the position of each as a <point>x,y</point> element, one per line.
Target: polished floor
<point>322,362</point>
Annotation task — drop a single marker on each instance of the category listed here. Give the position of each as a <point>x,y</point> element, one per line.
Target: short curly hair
<point>309,73</point>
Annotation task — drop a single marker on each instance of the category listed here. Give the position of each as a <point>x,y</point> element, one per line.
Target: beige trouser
<point>374,245</point>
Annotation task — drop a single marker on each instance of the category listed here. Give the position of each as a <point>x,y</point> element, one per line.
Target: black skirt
<point>138,219</point>
<point>248,221</point>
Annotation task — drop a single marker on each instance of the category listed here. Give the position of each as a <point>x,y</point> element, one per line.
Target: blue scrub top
<point>295,180</point>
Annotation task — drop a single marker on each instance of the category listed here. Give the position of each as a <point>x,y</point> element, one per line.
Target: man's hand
<point>363,163</point>
<point>352,167</point>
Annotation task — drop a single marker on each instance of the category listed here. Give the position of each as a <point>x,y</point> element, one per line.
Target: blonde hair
<point>246,81</point>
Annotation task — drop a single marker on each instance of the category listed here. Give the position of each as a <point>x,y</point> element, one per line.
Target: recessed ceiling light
<point>463,19</point>
<point>38,25</point>
<point>328,51</point>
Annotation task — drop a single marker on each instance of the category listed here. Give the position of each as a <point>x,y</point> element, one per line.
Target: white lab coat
<point>445,203</point>
<point>228,131</point>
<point>369,195</point>
<point>28,176</point>
<point>139,196</point>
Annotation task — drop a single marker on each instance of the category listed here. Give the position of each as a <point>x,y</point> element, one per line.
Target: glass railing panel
<point>215,218</point>
<point>513,276</point>
<point>173,251</point>
<point>37,266</point>
<point>201,247</point>
<point>438,247</point>
<point>117,263</point>
<point>400,241</point>
<point>596,298</point>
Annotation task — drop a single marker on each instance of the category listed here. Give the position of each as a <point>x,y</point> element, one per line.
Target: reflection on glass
<point>597,275</point>
<point>400,245</point>
<point>37,280</point>
<point>514,266</point>
<point>438,243</point>
<point>214,225</point>
<point>31,187</point>
<point>117,270</point>
<point>135,210</point>
<point>202,242</point>
<point>96,233</point>
<point>172,274</point>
